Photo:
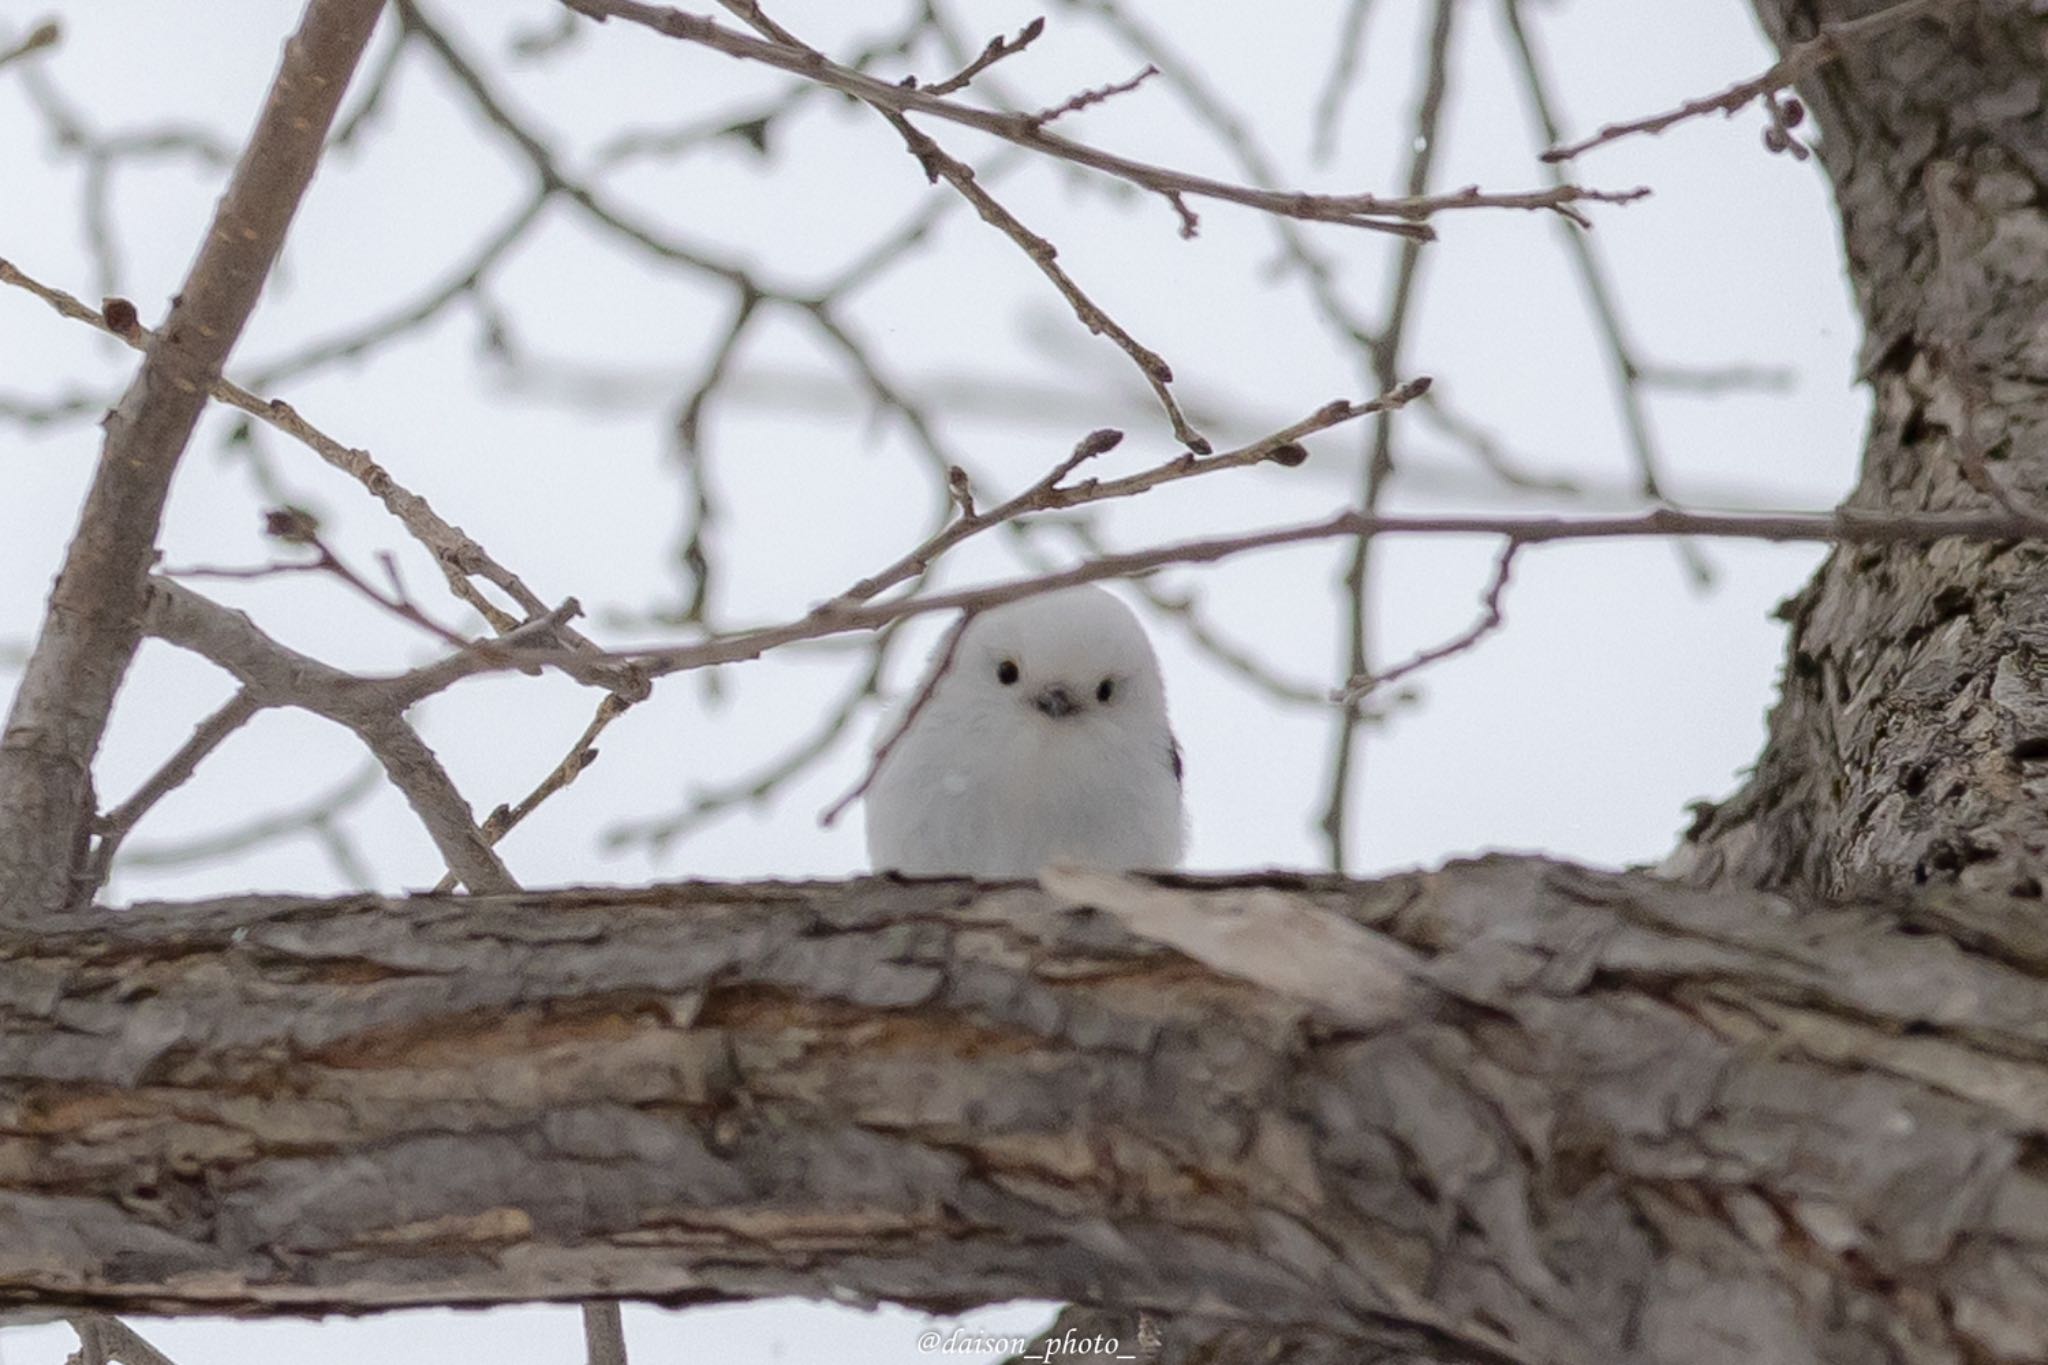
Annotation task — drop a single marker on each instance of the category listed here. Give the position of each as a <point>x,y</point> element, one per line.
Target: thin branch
<point>1350,46</point>
<point>1089,98</point>
<point>1401,216</point>
<point>581,755</point>
<point>454,551</point>
<point>1490,620</point>
<point>316,816</point>
<point>1050,494</point>
<point>939,165</point>
<point>1385,356</point>
<point>48,33</point>
<point>373,709</point>
<point>1832,42</point>
<point>1846,526</point>
<point>1621,358</point>
<point>112,827</point>
<point>997,49</point>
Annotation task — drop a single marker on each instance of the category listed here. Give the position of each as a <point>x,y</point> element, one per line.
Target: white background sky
<point>1619,692</point>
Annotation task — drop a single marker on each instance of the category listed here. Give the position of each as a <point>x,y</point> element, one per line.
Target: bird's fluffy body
<point>1021,757</point>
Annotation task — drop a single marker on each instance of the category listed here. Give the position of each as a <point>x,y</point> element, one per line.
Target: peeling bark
<point>1910,744</point>
<point>1593,1116</point>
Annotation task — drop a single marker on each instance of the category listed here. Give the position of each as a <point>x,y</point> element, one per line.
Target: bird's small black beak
<point>1056,701</point>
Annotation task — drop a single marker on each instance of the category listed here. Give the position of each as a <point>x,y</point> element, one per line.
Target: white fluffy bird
<point>1044,740</point>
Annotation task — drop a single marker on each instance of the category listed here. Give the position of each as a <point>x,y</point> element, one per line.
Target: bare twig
<point>316,816</point>
<point>1831,42</point>
<point>1050,494</point>
<point>45,34</point>
<point>276,676</point>
<point>581,755</point>
<point>1097,95</point>
<point>112,827</point>
<point>1490,620</point>
<point>1401,216</point>
<point>1847,525</point>
<point>997,49</point>
<point>456,554</point>
<point>939,165</point>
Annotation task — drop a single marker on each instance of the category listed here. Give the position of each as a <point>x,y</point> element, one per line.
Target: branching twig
<point>581,755</point>
<point>456,554</point>
<point>276,676</point>
<point>1831,42</point>
<point>1847,525</point>
<point>1401,216</point>
<point>1490,620</point>
<point>997,49</point>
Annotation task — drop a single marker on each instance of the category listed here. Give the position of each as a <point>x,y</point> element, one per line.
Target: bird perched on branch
<point>1037,736</point>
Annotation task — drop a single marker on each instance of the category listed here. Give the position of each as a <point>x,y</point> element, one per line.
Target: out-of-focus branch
<point>89,635</point>
<point>1385,356</point>
<point>48,33</point>
<point>1628,371</point>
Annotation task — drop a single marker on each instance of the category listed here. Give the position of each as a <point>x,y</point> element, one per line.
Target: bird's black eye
<point>1105,689</point>
<point>1006,672</point>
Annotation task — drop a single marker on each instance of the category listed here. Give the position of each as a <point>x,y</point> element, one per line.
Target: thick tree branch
<point>1509,1111</point>
<point>89,635</point>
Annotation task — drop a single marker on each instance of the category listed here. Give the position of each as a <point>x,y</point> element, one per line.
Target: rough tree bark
<point>1511,1111</point>
<point>1910,745</point>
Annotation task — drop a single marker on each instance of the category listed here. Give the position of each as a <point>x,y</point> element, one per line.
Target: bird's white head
<point>1071,659</point>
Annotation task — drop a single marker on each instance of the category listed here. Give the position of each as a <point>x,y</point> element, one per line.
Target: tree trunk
<point>1509,1111</point>
<point>1910,745</point>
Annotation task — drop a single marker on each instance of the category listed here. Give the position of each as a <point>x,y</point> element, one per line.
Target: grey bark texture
<point>89,634</point>
<point>1509,1111</point>
<point>1910,745</point>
